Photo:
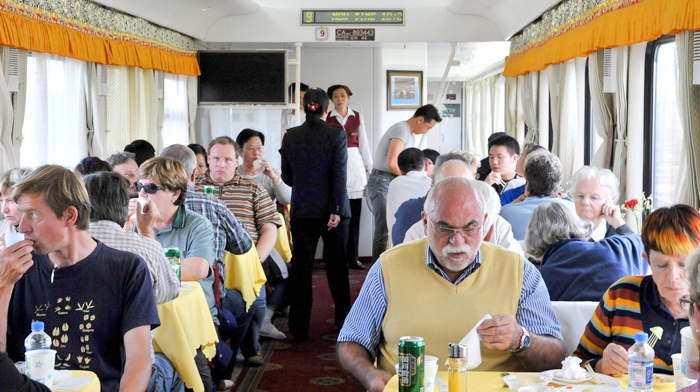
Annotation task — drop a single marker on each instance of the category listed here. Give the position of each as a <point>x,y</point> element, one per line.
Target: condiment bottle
<point>457,367</point>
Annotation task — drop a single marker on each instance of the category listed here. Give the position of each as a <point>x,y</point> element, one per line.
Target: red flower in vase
<point>630,204</point>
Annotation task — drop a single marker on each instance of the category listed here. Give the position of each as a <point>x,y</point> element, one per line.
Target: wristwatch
<point>524,341</point>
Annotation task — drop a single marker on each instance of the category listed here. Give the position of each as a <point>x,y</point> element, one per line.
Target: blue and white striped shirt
<point>363,324</point>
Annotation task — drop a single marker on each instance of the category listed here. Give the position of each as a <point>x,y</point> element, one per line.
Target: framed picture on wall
<point>404,89</point>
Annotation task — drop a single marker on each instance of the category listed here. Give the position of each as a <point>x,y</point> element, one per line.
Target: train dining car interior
<point>608,83</point>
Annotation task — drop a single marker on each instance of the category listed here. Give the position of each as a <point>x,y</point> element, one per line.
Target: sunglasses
<point>151,189</point>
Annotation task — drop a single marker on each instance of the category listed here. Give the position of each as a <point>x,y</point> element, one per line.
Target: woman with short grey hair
<point>574,268</point>
<point>595,193</point>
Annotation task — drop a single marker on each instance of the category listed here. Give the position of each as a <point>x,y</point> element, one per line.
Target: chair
<point>573,317</point>
<point>282,244</point>
<point>245,274</point>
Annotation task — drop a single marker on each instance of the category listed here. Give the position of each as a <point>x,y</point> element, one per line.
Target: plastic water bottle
<point>640,364</point>
<point>38,339</point>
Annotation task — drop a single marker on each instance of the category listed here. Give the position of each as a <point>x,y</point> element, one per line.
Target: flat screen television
<point>253,77</point>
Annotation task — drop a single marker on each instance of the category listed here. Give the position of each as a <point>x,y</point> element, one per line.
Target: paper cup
<point>40,365</point>
<point>689,353</point>
<point>13,238</point>
<point>258,166</point>
<point>681,380</point>
<point>430,367</point>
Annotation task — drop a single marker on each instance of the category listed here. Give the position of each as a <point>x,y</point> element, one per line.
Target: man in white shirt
<point>413,182</point>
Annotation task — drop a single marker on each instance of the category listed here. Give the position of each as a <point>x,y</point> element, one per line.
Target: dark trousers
<point>354,230</point>
<point>306,233</point>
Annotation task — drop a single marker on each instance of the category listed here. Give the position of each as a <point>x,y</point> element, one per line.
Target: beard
<point>456,265</point>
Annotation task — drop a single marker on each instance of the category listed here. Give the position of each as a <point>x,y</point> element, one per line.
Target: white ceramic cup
<point>430,368</point>
<point>40,364</point>
<point>689,353</point>
<point>681,380</point>
<point>13,238</point>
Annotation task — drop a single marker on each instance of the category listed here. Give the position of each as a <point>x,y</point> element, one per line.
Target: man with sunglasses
<point>461,279</point>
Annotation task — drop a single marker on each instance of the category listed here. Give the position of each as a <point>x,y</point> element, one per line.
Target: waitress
<point>359,162</point>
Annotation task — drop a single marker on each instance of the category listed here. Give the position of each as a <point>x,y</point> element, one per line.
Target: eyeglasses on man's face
<point>151,189</point>
<point>448,231</point>
<point>688,304</point>
<point>253,149</point>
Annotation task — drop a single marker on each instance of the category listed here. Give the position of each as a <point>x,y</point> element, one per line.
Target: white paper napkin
<point>471,340</point>
<point>72,383</point>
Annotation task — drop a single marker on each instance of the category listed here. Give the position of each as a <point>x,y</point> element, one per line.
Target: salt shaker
<point>457,367</point>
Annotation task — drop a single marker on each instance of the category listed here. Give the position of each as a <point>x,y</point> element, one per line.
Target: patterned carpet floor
<point>309,366</point>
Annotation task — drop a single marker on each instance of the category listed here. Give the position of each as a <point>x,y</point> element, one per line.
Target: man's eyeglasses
<point>688,304</point>
<point>151,189</point>
<point>447,231</point>
<point>254,149</point>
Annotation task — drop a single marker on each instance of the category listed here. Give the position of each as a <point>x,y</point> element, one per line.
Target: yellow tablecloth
<point>185,326</point>
<point>94,385</point>
<point>282,243</point>
<point>245,274</point>
<point>480,382</point>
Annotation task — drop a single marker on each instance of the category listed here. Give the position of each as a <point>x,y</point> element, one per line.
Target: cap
<point>455,350</point>
<point>38,326</point>
<point>641,337</point>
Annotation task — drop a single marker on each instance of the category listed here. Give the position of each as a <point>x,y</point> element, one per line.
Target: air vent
<point>13,69</point>
<point>696,57</point>
<point>160,81</point>
<point>102,80</point>
<point>609,73</point>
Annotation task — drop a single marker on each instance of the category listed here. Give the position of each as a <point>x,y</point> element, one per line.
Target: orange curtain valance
<point>86,31</point>
<point>577,28</point>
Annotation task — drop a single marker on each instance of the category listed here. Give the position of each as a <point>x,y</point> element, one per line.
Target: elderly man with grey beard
<point>461,279</point>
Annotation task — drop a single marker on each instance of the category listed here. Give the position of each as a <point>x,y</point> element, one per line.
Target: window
<point>175,118</point>
<point>54,129</point>
<point>665,137</point>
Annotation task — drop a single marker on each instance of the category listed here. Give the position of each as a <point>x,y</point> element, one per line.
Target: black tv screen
<point>243,77</point>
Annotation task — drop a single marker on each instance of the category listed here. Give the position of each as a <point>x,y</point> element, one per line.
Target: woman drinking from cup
<point>640,303</point>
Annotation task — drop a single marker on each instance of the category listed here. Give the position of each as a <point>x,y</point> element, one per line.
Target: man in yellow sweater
<point>440,287</point>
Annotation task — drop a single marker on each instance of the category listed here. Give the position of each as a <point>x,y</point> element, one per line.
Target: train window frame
<point>587,120</point>
<point>648,180</point>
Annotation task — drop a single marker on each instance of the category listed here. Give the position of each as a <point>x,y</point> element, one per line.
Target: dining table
<point>87,380</point>
<point>481,381</point>
<point>186,326</point>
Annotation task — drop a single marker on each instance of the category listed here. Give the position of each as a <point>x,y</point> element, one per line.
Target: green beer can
<point>411,357</point>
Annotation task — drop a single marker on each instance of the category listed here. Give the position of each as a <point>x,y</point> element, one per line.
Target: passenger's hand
<point>611,213</point>
<point>15,260</point>
<point>333,222</point>
<point>146,217</point>
<point>614,361</point>
<point>501,332</point>
<point>379,381</point>
<point>494,178</point>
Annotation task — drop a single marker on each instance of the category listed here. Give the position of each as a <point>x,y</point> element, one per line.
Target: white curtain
<point>192,107</point>
<point>176,110</point>
<point>563,101</point>
<point>19,99</point>
<point>469,114</point>
<point>620,102</point>
<point>511,108</point>
<point>54,129</point>
<point>601,105</point>
<point>132,107</point>
<point>688,103</point>
<point>498,84</point>
<point>530,98</point>
<point>96,112</point>
<point>8,160</point>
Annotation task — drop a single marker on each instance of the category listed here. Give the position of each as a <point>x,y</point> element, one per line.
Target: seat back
<point>573,317</point>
